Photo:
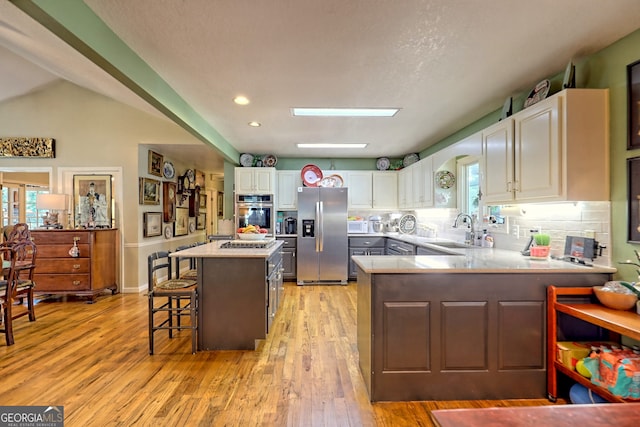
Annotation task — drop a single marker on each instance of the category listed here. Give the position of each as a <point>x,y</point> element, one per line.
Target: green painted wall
<point>605,69</point>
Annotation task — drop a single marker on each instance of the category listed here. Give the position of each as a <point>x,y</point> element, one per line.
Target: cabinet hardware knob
<point>76,266</point>
<point>76,283</point>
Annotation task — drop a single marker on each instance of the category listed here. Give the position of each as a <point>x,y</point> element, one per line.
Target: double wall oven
<point>255,209</point>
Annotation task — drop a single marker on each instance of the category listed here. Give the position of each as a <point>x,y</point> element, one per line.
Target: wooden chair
<point>16,233</point>
<point>17,270</point>
<point>26,253</point>
<point>192,272</point>
<point>171,292</point>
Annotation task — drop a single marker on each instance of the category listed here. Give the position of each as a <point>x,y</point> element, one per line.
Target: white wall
<point>96,132</point>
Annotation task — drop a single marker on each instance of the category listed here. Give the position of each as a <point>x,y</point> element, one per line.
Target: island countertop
<point>213,250</point>
<point>477,260</point>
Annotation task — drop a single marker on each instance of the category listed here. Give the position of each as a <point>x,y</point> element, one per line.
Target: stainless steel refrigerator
<point>323,248</point>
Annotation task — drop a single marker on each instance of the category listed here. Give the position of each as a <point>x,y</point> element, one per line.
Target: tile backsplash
<point>559,220</point>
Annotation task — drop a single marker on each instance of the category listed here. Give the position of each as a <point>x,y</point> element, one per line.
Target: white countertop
<point>213,250</point>
<point>481,260</point>
<point>476,260</point>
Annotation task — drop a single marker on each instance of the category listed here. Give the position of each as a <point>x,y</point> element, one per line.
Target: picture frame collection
<point>183,207</point>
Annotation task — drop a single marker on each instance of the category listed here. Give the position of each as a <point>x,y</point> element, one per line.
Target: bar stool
<point>178,298</point>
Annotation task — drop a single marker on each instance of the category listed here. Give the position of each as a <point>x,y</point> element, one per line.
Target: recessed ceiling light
<point>345,112</point>
<point>241,100</point>
<point>255,124</point>
<point>328,145</point>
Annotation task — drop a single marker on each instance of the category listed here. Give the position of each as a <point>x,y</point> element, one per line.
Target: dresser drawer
<point>61,251</point>
<point>60,237</point>
<point>63,266</point>
<point>62,282</point>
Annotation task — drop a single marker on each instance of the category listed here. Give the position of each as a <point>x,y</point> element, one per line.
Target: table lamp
<point>51,203</point>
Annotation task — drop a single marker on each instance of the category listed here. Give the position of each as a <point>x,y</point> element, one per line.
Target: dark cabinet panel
<point>464,335</point>
<point>520,335</point>
<point>406,348</point>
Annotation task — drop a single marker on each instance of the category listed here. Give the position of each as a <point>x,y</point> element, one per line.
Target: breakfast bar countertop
<point>477,260</point>
<point>213,250</point>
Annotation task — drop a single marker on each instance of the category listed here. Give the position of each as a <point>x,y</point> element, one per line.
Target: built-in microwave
<point>358,227</point>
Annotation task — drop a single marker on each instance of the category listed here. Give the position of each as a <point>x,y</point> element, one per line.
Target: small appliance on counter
<point>375,224</point>
<point>358,226</point>
<point>290,225</point>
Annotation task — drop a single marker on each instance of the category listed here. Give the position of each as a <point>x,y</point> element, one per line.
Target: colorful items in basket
<point>617,370</point>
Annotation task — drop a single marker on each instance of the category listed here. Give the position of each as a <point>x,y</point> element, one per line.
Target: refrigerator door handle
<point>321,227</point>
<point>317,236</point>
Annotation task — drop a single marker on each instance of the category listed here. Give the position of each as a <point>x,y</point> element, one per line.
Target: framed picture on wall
<point>169,201</point>
<point>149,191</point>
<point>152,224</point>
<point>181,225</point>
<point>155,163</point>
<point>633,99</point>
<point>633,199</point>
<point>201,221</point>
<point>92,201</point>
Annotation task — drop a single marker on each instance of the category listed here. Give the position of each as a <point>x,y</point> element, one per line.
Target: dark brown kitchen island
<point>461,327</point>
<point>238,294</point>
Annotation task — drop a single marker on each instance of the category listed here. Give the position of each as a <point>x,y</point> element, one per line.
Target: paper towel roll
<point>225,226</point>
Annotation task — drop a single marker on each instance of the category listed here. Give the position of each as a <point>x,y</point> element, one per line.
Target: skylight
<point>345,112</point>
<point>330,145</point>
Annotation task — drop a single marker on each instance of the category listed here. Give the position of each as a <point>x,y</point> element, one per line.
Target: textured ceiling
<point>444,63</point>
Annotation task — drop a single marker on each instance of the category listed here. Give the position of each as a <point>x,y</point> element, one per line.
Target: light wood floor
<point>93,360</point>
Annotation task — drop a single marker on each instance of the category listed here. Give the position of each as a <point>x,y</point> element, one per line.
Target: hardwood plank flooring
<point>93,360</point>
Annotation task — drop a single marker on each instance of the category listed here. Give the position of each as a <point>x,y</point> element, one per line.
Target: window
<point>469,185</point>
<point>14,211</point>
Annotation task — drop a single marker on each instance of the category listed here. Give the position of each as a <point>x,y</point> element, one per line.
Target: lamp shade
<point>52,202</point>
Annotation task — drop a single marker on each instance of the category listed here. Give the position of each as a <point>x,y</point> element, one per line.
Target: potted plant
<point>541,248</point>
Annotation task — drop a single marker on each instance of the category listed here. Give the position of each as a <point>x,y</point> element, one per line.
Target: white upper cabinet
<point>497,147</point>
<point>287,194</point>
<point>255,180</point>
<point>422,183</point>
<point>360,189</point>
<point>385,190</point>
<point>405,190</point>
<point>555,150</point>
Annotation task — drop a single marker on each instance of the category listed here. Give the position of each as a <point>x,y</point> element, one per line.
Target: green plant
<point>631,288</point>
<point>542,239</point>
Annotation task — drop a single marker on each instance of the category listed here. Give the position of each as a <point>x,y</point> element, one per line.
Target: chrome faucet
<point>470,236</point>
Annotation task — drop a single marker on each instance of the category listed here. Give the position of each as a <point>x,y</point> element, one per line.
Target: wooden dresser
<point>89,274</point>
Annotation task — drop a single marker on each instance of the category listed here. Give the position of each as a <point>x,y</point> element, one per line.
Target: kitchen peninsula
<point>239,290</point>
<point>470,325</point>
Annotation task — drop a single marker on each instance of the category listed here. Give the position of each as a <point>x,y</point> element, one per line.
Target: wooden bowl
<point>615,300</point>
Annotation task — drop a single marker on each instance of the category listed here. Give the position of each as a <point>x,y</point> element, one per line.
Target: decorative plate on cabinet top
<point>168,171</point>
<point>410,159</point>
<point>383,163</point>
<point>246,160</point>
<point>538,93</point>
<point>332,181</point>
<point>269,161</point>
<point>311,175</point>
<point>445,179</point>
